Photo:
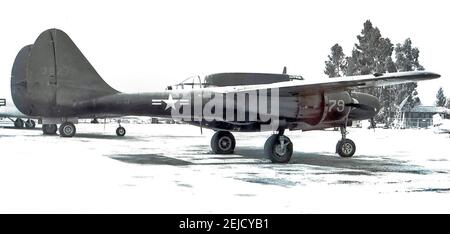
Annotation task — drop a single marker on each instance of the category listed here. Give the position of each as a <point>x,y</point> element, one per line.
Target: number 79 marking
<point>339,104</point>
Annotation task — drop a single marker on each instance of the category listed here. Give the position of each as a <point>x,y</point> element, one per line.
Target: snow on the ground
<point>163,168</point>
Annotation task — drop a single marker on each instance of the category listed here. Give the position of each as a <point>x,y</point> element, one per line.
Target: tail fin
<point>19,80</point>
<point>52,74</point>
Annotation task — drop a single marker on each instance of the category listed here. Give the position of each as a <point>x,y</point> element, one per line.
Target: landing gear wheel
<point>346,148</point>
<point>120,131</point>
<point>223,142</point>
<point>278,148</point>
<point>67,129</point>
<point>30,124</point>
<point>18,123</point>
<point>49,129</point>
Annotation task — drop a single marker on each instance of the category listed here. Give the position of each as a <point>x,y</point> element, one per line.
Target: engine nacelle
<point>328,107</point>
<point>336,109</point>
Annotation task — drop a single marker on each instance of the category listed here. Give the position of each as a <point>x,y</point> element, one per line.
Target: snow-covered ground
<point>170,168</point>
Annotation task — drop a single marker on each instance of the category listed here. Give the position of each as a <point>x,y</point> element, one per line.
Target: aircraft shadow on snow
<point>254,156</point>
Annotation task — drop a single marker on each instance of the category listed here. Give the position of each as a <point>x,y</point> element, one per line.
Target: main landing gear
<point>68,129</point>
<point>18,123</point>
<point>49,129</point>
<point>29,124</point>
<point>278,148</point>
<point>345,147</point>
<point>223,142</point>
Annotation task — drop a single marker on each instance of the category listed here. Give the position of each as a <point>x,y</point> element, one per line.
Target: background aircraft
<point>52,79</point>
<point>440,124</point>
<point>10,111</point>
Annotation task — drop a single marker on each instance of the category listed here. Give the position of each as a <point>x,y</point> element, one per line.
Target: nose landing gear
<point>345,147</point>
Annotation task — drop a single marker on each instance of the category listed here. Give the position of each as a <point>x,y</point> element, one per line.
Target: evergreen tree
<point>352,63</point>
<point>372,54</point>
<point>336,64</point>
<point>371,50</point>
<point>390,65</point>
<point>440,98</point>
<point>407,59</point>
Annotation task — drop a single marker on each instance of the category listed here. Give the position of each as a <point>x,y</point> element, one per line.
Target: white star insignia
<point>170,103</point>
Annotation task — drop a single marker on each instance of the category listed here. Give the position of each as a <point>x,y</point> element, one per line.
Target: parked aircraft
<point>9,110</point>
<point>440,124</point>
<point>53,80</point>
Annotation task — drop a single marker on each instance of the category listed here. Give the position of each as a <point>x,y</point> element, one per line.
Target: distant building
<point>420,116</point>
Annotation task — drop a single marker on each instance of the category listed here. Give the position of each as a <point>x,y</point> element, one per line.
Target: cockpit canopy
<point>234,79</point>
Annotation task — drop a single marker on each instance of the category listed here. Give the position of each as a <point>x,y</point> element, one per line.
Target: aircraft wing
<point>306,87</point>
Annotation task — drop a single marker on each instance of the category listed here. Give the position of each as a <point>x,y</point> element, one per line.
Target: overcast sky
<point>147,45</point>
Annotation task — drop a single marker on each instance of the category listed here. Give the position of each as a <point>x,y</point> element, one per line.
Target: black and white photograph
<point>224,107</point>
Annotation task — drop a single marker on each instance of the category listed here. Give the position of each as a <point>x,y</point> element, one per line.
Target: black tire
<point>19,123</point>
<point>67,129</point>
<point>338,145</point>
<point>120,131</point>
<point>223,142</point>
<point>49,129</point>
<point>346,148</point>
<point>30,124</point>
<point>276,154</point>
